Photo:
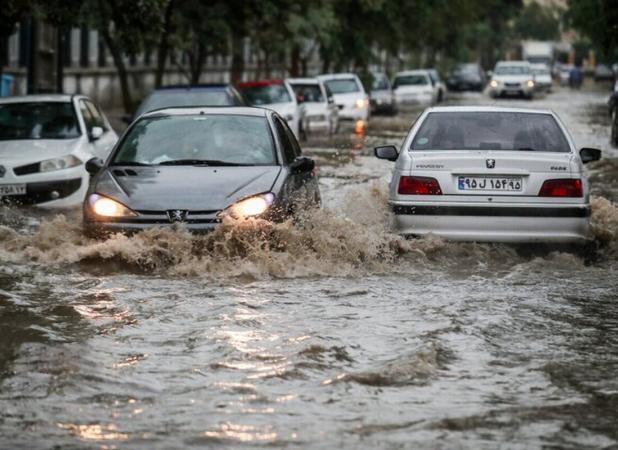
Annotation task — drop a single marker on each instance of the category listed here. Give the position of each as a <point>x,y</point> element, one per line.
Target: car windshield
<point>380,83</point>
<point>38,120</point>
<point>467,69</point>
<point>194,97</point>
<point>410,80</point>
<point>512,70</point>
<point>540,71</point>
<point>266,94</point>
<point>343,86</point>
<point>310,93</point>
<point>198,139</point>
<point>490,131</point>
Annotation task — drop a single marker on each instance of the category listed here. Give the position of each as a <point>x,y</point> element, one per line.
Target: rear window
<point>266,94</point>
<point>309,92</point>
<point>343,85</point>
<point>171,99</point>
<point>490,131</point>
<point>410,80</point>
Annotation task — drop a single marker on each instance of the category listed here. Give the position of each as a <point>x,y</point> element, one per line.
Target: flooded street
<point>331,332</point>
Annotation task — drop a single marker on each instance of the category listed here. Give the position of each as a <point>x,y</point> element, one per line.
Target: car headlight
<point>107,207</point>
<point>493,83</point>
<point>362,103</point>
<point>530,83</point>
<point>251,207</point>
<point>63,162</point>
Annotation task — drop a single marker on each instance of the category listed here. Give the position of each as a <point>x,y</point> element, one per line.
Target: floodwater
<point>327,333</point>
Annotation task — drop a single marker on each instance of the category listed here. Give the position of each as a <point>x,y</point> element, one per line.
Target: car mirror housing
<point>589,154</point>
<point>94,165</point>
<point>388,152</point>
<point>96,133</point>
<point>302,165</point>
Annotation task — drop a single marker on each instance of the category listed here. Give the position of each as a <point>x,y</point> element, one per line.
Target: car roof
<point>209,110</point>
<point>413,72</point>
<point>256,83</point>
<point>487,109</point>
<point>303,80</point>
<point>512,63</point>
<point>336,76</point>
<point>39,98</point>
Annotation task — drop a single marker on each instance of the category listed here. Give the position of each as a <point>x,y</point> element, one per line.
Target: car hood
<point>192,188</point>
<point>27,151</point>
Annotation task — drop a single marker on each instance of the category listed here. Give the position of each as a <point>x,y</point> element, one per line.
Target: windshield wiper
<point>199,162</point>
<point>527,149</point>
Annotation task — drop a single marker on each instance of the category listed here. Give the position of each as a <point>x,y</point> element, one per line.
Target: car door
<point>101,145</point>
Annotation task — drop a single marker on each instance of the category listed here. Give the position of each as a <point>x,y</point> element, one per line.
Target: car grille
<point>512,84</point>
<point>162,217</point>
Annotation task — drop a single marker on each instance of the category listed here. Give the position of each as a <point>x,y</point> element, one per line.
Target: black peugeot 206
<point>196,165</point>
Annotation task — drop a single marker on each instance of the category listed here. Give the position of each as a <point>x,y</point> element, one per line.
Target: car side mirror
<point>589,154</point>
<point>94,166</point>
<point>96,133</point>
<point>302,165</point>
<point>388,152</point>
<point>330,99</point>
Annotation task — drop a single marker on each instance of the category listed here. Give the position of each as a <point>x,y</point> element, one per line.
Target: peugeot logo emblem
<point>490,163</point>
<point>177,215</point>
<point>2,171</point>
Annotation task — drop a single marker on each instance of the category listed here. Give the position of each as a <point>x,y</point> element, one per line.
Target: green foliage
<point>597,20</point>
<point>538,22</point>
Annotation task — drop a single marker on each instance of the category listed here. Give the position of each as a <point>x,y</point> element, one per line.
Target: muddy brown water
<point>330,332</point>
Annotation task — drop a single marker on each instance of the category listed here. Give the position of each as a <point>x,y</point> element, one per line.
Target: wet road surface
<point>331,332</point>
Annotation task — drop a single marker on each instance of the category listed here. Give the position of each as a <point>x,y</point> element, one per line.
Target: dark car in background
<point>190,95</point>
<point>196,166</point>
<point>466,77</point>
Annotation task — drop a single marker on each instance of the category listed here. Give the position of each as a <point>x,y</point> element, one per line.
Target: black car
<point>613,113</point>
<point>190,95</point>
<point>466,77</point>
<point>195,166</point>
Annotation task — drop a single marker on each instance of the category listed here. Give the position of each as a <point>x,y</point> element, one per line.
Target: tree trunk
<point>295,63</point>
<point>120,68</point>
<point>163,47</point>
<point>238,57</point>
<point>198,63</point>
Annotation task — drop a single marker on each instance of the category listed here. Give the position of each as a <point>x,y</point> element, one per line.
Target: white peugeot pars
<point>45,141</point>
<point>490,174</point>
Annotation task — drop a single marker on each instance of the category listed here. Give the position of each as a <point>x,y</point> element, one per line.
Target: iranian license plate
<point>12,189</point>
<point>489,184</point>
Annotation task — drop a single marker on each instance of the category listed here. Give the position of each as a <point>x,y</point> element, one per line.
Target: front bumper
<point>45,191</point>
<point>482,223</point>
<point>503,90</point>
<point>347,112</point>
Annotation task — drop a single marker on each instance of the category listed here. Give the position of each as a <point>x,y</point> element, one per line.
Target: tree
<point>537,22</point>
<point>598,20</point>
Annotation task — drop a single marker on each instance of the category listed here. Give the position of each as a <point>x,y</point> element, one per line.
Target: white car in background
<point>45,141</point>
<point>490,174</point>
<point>542,77</point>
<point>279,96</point>
<point>512,78</point>
<point>349,95</point>
<point>414,87</point>
<point>321,112</point>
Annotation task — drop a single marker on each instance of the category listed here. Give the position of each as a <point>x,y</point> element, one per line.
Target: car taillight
<point>564,187</point>
<point>419,186</point>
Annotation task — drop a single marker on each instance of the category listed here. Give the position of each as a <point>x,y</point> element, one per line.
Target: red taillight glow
<point>566,187</point>
<point>419,186</point>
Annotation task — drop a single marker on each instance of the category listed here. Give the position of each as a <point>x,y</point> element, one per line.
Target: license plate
<point>489,184</point>
<point>12,189</point>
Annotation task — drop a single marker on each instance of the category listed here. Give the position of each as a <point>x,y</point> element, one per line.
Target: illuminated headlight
<point>251,207</point>
<point>493,83</point>
<point>362,103</point>
<point>106,207</point>
<point>63,162</point>
<point>530,83</point>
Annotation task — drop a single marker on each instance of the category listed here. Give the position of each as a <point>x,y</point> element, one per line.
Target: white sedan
<point>415,87</point>
<point>321,112</point>
<point>490,174</point>
<point>45,141</point>
<point>349,95</point>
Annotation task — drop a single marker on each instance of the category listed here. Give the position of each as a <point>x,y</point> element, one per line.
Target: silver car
<point>490,174</point>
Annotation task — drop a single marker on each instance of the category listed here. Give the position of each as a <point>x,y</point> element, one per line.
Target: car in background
<point>381,97</point>
<point>321,113</point>
<point>466,77</point>
<point>542,77</point>
<point>349,95</point>
<point>564,74</point>
<point>45,141</point>
<point>279,96</point>
<point>197,166</point>
<point>438,84</point>
<point>190,95</point>
<point>413,87</point>
<point>602,72</point>
<point>512,78</point>
<point>490,174</point>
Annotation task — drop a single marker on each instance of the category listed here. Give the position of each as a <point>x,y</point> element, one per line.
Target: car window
<point>410,80</point>
<point>342,85</point>
<point>266,94</point>
<point>87,115</point>
<point>38,120</point>
<point>236,139</point>
<point>512,70</point>
<point>287,140</point>
<point>97,118</point>
<point>380,83</point>
<point>178,98</point>
<point>311,93</point>
<point>490,131</point>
